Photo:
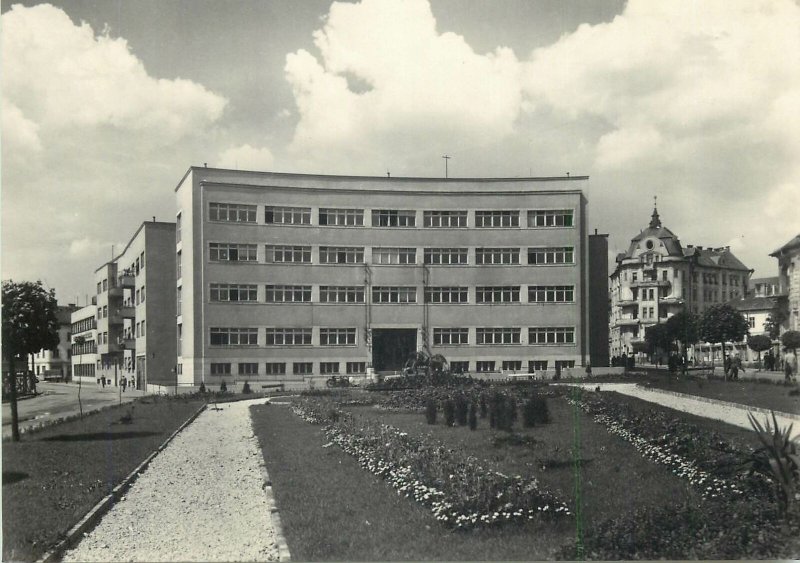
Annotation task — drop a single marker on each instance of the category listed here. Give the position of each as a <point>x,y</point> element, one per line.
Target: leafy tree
<point>685,328</point>
<point>777,316</point>
<point>791,339</point>
<point>657,337</point>
<point>29,325</point>
<point>759,343</point>
<point>721,323</point>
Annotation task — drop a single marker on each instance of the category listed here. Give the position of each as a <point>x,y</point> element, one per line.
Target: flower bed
<point>713,465</point>
<point>458,491</point>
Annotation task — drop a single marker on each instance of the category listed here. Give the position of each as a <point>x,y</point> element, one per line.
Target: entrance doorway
<point>391,347</point>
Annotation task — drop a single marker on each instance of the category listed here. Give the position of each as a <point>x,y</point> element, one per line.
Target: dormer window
<point>649,244</point>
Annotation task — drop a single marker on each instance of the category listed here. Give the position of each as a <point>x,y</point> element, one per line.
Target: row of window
<point>296,254</point>
<point>83,325</point>
<point>344,217</point>
<point>354,368</point>
<point>222,292</point>
<point>708,278</point>
<point>220,336</point>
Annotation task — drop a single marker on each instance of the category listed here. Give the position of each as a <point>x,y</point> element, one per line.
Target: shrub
<point>778,458</point>
<point>536,411</point>
<point>461,407</point>
<point>223,387</point>
<point>202,387</point>
<point>449,412</point>
<point>529,414</point>
<point>246,388</point>
<point>430,411</point>
<point>483,406</point>
<point>473,416</point>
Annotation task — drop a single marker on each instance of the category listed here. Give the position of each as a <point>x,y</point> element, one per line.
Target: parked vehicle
<point>338,381</point>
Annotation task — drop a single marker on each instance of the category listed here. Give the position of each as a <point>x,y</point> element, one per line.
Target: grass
<point>751,393</point>
<point>53,477</point>
<point>615,480</point>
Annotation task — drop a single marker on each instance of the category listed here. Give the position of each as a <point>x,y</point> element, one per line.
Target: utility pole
<point>446,158</point>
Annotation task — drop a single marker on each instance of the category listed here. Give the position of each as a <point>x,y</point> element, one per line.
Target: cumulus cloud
<point>246,157</point>
<point>92,144</point>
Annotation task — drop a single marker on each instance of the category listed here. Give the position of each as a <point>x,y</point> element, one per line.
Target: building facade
<point>135,310</point>
<point>56,363</point>
<point>658,277</point>
<point>84,343</point>
<point>288,277</point>
<point>789,281</point>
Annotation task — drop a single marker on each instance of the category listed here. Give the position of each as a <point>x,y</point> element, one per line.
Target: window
<point>488,219</point>
<point>302,368</point>
<point>275,368</point>
<point>234,336</point>
<point>180,339</point>
<point>142,294</point>
<point>497,335</point>
<point>551,335</point>
<point>394,255</point>
<point>356,367</point>
<point>562,364</point>
<point>328,368</point>
<point>341,254</point>
<point>450,336</point>
<point>558,255</point>
<point>288,337</point>
<point>664,275</point>
<point>178,228</point>
<point>288,294</point>
<point>341,294</point>
<point>487,256</point>
<point>445,256</point>
<point>105,285</point>
<point>141,256</point>
<point>283,254</point>
<point>287,215</point>
<point>178,265</point>
<point>550,218</point>
<point>341,217</point>
<point>220,369</point>
<point>99,288</point>
<point>497,294</point>
<point>137,298</point>
<point>482,366</point>
<point>551,293</point>
<point>393,218</point>
<point>446,295</point>
<point>537,365</point>
<point>233,292</point>
<point>337,337</point>
<point>512,365</point>
<point>105,310</point>
<point>394,294</point>
<point>634,276</point>
<point>751,321</point>
<point>450,219</point>
<point>231,212</point>
<point>248,368</point>
<point>459,367</point>
<point>232,252</point>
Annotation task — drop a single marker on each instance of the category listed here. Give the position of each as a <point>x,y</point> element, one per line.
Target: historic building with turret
<point>658,277</point>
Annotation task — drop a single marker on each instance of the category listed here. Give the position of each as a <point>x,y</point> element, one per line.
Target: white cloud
<point>246,157</point>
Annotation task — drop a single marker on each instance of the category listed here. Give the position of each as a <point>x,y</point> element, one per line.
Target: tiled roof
<point>754,304</point>
<point>795,242</point>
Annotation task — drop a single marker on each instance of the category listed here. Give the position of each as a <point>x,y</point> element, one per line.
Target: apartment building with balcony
<point>84,343</point>
<point>55,363</point>
<point>135,310</point>
<point>658,277</point>
<point>293,277</point>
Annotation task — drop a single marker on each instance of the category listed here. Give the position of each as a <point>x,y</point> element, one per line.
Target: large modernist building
<point>658,277</point>
<point>135,310</point>
<point>84,343</point>
<point>289,277</point>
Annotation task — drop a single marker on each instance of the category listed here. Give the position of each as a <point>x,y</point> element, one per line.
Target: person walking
<point>788,366</point>
<point>124,383</point>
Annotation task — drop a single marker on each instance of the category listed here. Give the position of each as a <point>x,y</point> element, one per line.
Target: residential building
<point>292,277</point>
<point>135,310</point>
<point>765,287</point>
<point>789,281</point>
<point>84,343</point>
<point>658,277</point>
<point>55,363</point>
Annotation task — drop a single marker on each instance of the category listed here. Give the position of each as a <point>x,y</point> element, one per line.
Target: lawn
<point>53,477</point>
<point>304,473</point>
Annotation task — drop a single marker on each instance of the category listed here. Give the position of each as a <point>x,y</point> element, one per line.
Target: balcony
<point>127,311</point>
<point>115,291</point>
<point>627,303</point>
<point>127,342</point>
<point>627,322</point>
<point>127,280</point>
<point>115,317</point>
<point>671,301</point>
<point>650,283</point>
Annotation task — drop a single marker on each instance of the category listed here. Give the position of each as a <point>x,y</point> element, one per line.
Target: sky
<point>105,104</point>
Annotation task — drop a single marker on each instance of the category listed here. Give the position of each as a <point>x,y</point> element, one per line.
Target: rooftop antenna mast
<point>446,158</point>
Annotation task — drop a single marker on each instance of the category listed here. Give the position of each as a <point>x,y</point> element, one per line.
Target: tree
<point>29,325</point>
<point>791,340</point>
<point>79,342</point>
<point>759,343</point>
<point>777,316</point>
<point>684,327</point>
<point>721,323</point>
<point>657,337</point>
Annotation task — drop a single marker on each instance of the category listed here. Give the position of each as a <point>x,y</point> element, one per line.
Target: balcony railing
<point>627,322</point>
<point>127,341</point>
<point>127,311</point>
<point>650,283</point>
<point>127,280</point>
<point>627,303</point>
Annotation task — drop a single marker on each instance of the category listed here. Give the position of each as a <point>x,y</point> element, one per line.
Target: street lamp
<point>79,342</point>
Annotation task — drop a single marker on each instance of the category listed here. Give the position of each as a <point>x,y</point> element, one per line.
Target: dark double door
<point>392,347</point>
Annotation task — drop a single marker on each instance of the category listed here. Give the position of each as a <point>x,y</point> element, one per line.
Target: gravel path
<point>709,408</point>
<point>201,499</point>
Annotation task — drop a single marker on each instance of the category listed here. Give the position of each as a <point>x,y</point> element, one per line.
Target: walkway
<point>699,406</point>
<point>201,499</point>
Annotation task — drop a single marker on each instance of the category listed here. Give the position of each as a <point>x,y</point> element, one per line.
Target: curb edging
<point>94,515</point>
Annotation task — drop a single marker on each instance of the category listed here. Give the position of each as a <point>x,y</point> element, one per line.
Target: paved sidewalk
<point>709,408</point>
<point>201,499</point>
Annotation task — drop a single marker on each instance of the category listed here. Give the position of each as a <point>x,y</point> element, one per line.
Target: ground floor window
<point>302,368</point>
<point>482,366</point>
<point>220,369</point>
<point>248,368</point>
<point>512,365</point>
<point>356,367</point>
<point>537,365</point>
<point>327,368</point>
<point>561,364</point>
<point>275,368</point>
<point>459,367</point>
